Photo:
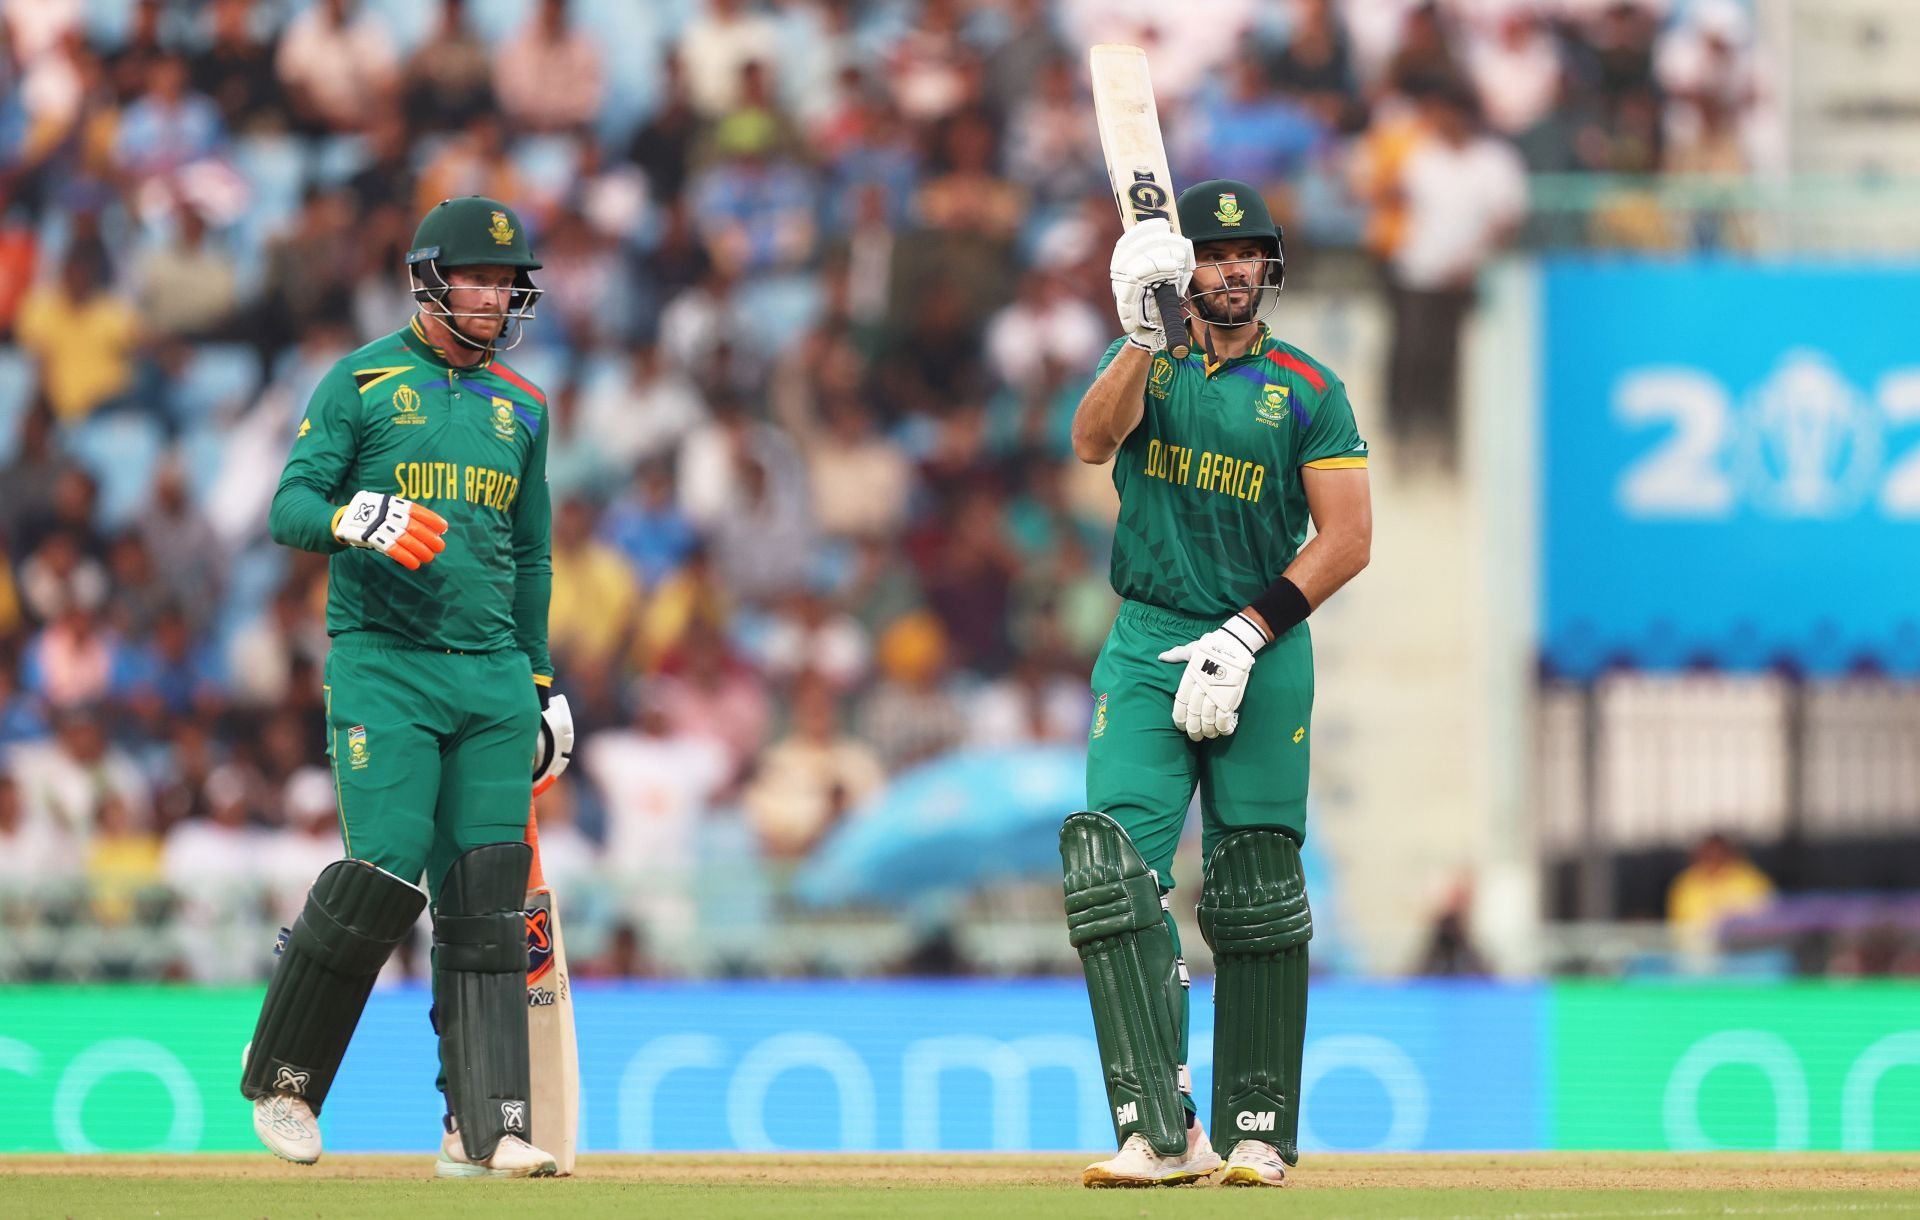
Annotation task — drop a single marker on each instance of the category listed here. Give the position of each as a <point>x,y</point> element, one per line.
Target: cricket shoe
<point>512,1157</point>
<point>1137,1164</point>
<point>286,1125</point>
<point>1253,1163</point>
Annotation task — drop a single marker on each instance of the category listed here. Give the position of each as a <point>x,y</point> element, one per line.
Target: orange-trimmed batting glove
<point>403,531</point>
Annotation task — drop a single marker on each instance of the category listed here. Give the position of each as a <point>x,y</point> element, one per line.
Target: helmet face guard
<point>432,291</point>
<point>1215,307</point>
<point>472,231</point>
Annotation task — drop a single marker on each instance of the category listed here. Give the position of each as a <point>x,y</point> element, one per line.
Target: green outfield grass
<point>1541,1186</point>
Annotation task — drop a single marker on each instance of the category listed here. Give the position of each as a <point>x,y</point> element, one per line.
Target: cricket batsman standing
<point>420,467</point>
<point>1207,680</point>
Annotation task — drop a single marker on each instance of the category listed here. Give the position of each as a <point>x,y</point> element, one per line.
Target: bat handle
<point>1171,319</point>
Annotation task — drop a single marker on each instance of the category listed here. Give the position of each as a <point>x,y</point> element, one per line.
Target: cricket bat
<point>553,1052</point>
<point>1136,158</point>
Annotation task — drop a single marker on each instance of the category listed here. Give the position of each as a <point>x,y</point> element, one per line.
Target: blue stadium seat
<point>408,21</point>
<point>108,22</point>
<point>275,168</point>
<point>202,450</point>
<point>120,450</point>
<point>338,158</point>
<point>782,307</point>
<point>545,163</point>
<point>217,379</point>
<point>498,20</point>
<point>17,379</point>
<point>631,37</point>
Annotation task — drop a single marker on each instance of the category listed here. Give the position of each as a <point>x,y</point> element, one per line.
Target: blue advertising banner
<point>1730,464</point>
<point>967,1065</point>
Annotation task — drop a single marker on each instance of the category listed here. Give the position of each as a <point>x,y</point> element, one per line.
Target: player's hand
<point>1148,254</point>
<point>554,749</point>
<point>1219,663</point>
<point>405,532</point>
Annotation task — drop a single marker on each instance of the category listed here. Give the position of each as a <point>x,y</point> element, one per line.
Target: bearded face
<point>1233,280</point>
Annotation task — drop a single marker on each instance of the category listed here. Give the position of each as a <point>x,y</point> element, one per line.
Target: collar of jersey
<point>416,339</point>
<point>1260,344</point>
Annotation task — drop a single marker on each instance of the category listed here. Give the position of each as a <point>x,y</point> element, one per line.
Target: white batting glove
<point>1148,254</point>
<point>1218,666</point>
<point>554,749</point>
<point>403,531</point>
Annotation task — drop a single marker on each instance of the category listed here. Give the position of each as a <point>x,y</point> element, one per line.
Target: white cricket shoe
<point>1254,1163</point>
<point>1137,1164</point>
<point>286,1125</point>
<point>512,1157</point>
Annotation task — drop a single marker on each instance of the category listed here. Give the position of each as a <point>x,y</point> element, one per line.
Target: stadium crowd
<point>824,282</point>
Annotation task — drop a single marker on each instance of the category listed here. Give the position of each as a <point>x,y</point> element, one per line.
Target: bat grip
<point>536,876</point>
<point>1171,319</point>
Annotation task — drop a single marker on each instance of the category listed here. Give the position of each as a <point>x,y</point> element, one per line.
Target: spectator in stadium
<point>809,634</point>
<point>1466,195</point>
<point>166,127</point>
<point>59,573</point>
<point>810,780</point>
<point>72,661</point>
<point>65,779</point>
<point>912,713</point>
<point>181,544</point>
<point>663,146</point>
<point>724,38</point>
<point>123,862</point>
<point>235,70</point>
<point>1517,70</point>
<point>188,287</point>
<point>1316,66</point>
<point>596,598</point>
<point>752,205</point>
<point>84,338</point>
<point>861,481</point>
<point>1718,881</point>
<point>337,63</point>
<point>648,527</point>
<point>549,74</point>
<point>34,852</point>
<point>449,78</point>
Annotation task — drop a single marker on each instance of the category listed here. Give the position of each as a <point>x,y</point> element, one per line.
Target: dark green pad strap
<point>1254,914</point>
<point>1115,918</point>
<point>480,955</point>
<point>355,915</point>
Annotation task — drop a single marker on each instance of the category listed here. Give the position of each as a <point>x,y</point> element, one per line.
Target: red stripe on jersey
<point>508,375</point>
<point>1301,367</point>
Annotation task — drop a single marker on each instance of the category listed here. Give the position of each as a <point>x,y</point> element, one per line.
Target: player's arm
<point>1113,405</point>
<point>532,595</point>
<point>306,513</point>
<point>1147,255</point>
<point>1341,504</point>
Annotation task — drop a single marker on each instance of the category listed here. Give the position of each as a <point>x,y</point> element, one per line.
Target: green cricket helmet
<point>1221,209</point>
<point>473,231</point>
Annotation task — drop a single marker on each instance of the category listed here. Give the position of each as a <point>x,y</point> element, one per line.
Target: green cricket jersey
<point>1212,505</point>
<point>471,444</point>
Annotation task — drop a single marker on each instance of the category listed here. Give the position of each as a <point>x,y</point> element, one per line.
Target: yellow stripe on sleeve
<point>542,680</point>
<point>1339,463</point>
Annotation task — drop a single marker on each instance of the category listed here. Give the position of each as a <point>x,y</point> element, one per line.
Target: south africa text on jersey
<point>1213,472</point>
<point>452,481</point>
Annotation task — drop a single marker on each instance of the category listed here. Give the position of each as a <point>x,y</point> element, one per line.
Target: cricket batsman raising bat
<point>420,467</point>
<point>1206,680</point>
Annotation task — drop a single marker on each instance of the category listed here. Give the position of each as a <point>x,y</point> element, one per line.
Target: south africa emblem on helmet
<point>1229,212</point>
<point>1272,409</point>
<point>501,229</point>
<point>406,405</point>
<point>1160,380</point>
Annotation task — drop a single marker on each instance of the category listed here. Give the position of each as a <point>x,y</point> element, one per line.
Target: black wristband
<point>1284,607</point>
